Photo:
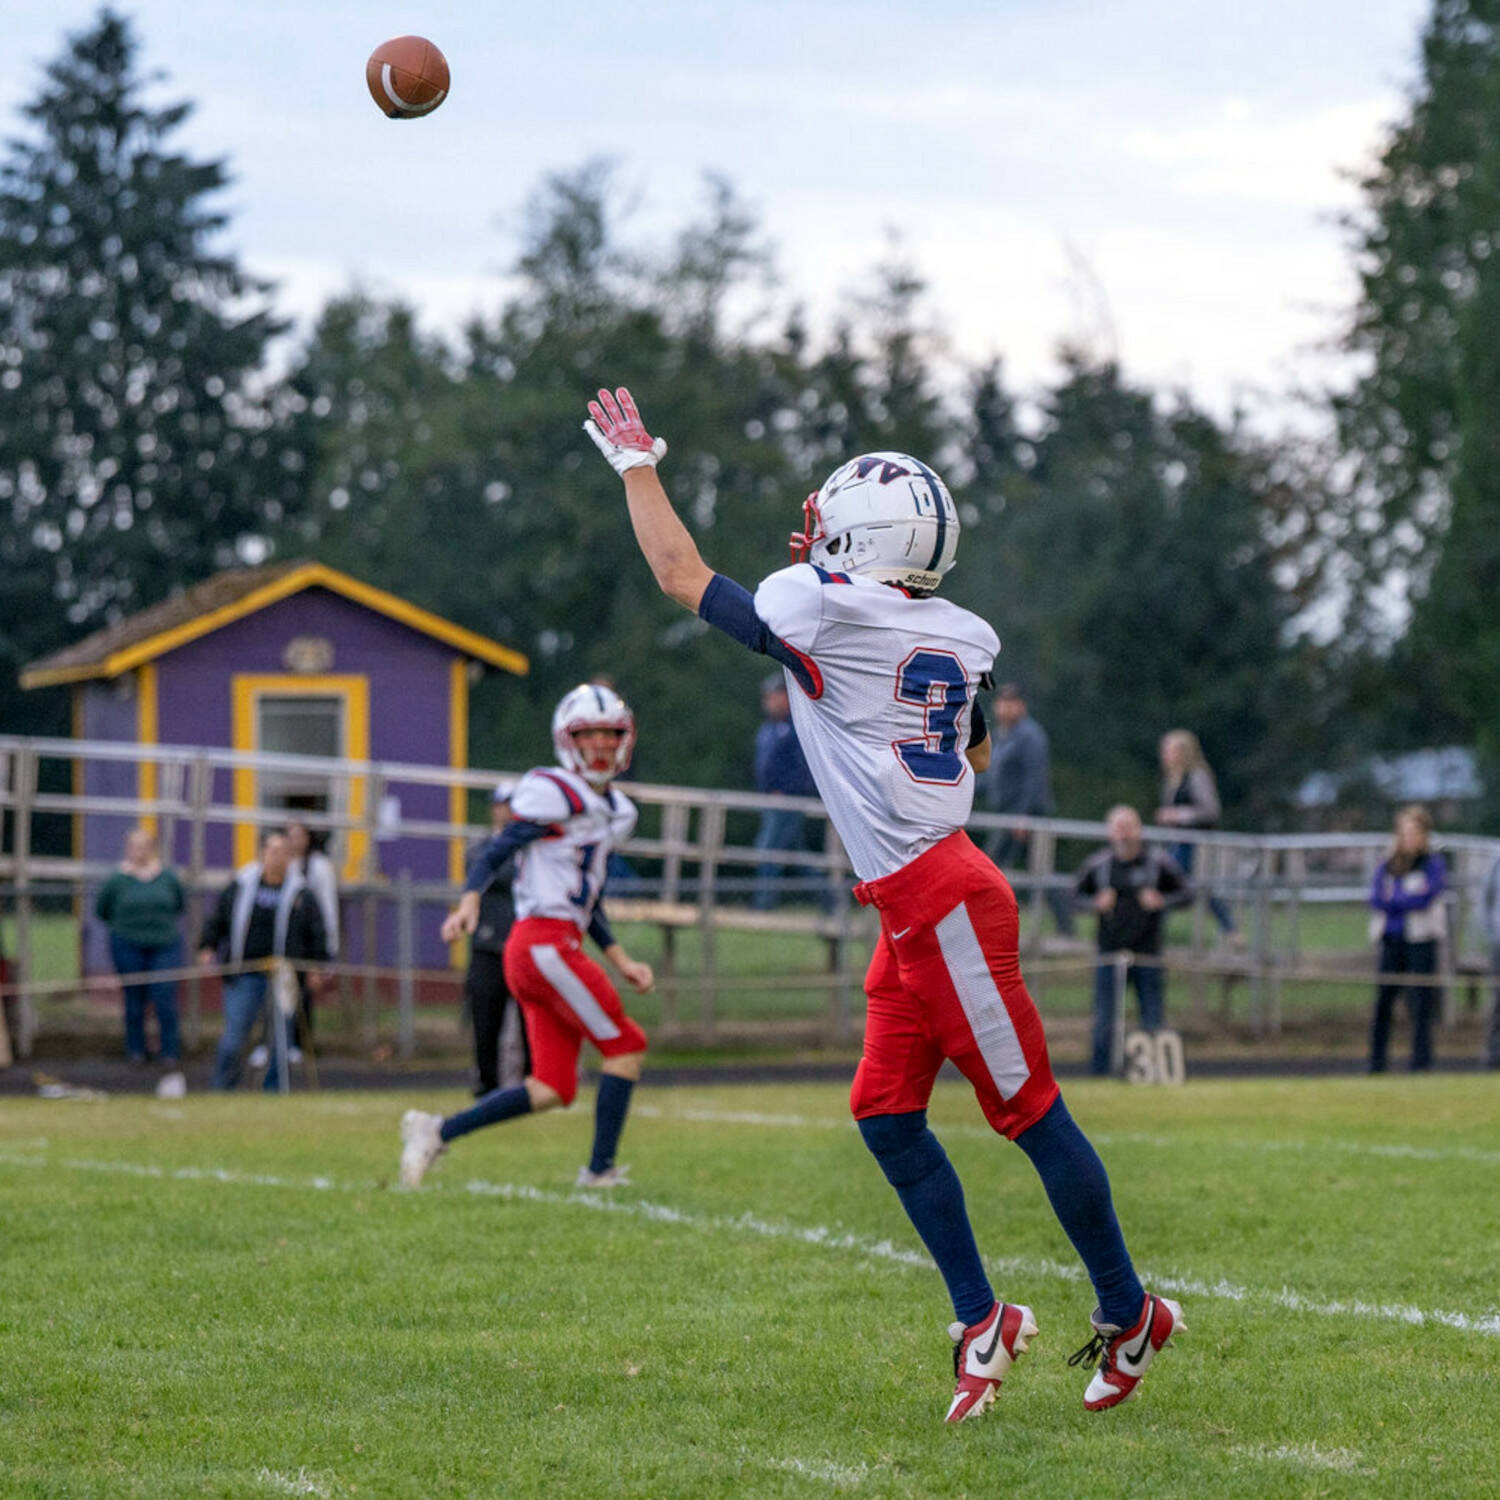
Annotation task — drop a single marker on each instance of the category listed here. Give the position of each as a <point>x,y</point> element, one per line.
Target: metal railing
<point>696,868</point>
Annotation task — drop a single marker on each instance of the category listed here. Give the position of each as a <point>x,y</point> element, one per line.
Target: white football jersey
<point>562,874</point>
<point>886,725</point>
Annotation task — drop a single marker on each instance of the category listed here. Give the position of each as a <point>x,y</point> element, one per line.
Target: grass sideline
<point>225,1297</point>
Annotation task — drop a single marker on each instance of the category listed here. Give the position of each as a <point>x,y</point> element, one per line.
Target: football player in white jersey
<point>565,823</point>
<point>882,681</point>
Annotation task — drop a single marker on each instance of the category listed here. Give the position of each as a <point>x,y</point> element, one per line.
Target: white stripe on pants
<point>553,967</point>
<point>994,1031</point>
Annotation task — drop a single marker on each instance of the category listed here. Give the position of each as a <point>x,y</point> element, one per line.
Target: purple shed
<point>294,658</point>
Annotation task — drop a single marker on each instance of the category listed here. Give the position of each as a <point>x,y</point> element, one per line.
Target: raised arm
<point>619,434</point>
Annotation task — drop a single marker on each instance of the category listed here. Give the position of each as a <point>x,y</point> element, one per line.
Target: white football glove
<point>620,435</point>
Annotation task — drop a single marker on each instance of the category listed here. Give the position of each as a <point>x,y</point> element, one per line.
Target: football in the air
<point>408,77</point>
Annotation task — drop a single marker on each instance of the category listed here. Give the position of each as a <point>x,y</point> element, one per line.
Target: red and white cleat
<point>983,1354</point>
<point>1125,1354</point>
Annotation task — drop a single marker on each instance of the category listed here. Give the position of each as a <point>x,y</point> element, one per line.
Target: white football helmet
<point>593,706</point>
<point>884,515</point>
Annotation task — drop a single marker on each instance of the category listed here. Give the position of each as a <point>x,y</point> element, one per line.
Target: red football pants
<point>945,982</point>
<point>565,997</point>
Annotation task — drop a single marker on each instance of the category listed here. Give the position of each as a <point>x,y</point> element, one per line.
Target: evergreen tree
<point>1422,424</point>
<point>132,444</point>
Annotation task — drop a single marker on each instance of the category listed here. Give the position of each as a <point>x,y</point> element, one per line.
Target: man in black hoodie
<point>1130,886</point>
<point>266,912</point>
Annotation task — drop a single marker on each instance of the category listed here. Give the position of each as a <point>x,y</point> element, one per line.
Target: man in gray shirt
<point>1019,780</point>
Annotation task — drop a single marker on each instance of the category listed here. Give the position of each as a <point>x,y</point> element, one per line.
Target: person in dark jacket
<point>1407,896</point>
<point>779,767</point>
<point>1130,886</point>
<point>141,904</point>
<point>1019,780</point>
<point>266,912</point>
<point>502,1057</point>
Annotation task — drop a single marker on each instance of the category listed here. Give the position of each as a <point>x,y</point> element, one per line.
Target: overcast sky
<point>1163,173</point>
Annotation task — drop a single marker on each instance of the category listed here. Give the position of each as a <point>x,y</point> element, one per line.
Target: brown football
<point>408,77</point>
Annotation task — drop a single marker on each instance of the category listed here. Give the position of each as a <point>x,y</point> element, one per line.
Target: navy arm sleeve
<point>979,731</point>
<point>494,852</point>
<point>599,928</point>
<point>730,607</point>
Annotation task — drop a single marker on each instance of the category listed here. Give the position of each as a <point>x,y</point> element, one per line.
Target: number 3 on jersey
<point>936,681</point>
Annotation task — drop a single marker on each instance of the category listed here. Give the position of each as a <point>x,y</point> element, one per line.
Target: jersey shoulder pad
<point>974,630</point>
<point>790,602</point>
<point>545,796</point>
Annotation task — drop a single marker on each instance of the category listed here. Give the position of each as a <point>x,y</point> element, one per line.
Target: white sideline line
<point>1104,1138</point>
<point>818,1235</point>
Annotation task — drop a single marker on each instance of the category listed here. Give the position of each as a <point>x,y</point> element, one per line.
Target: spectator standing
<point>501,1055</point>
<point>1130,886</point>
<point>1409,920</point>
<point>1190,799</point>
<point>266,912</point>
<point>1492,932</point>
<point>142,904</point>
<point>1019,780</point>
<point>779,767</point>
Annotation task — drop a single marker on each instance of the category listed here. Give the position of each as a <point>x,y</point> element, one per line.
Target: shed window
<point>300,724</point>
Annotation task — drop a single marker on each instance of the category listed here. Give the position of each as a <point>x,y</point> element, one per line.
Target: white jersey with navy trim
<point>562,874</point>
<point>882,691</point>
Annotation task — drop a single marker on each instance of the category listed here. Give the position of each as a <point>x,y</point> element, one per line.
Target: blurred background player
<point>501,1056</point>
<point>884,677</point>
<point>564,823</point>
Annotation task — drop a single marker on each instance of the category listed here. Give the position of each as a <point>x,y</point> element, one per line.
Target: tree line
<point>1146,563</point>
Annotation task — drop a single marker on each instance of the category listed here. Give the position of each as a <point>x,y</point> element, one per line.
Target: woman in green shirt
<point>141,904</point>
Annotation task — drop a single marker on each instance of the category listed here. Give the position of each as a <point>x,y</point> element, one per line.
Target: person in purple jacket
<point>1409,920</point>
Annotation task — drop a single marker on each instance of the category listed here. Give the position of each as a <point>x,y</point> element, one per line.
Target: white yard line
<point>822,1236</point>
<point>1471,1154</point>
<point>1306,1456</point>
<point>825,1471</point>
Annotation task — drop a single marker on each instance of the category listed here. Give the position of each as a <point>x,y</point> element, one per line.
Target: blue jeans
<point>779,829</point>
<point>1183,854</point>
<point>159,994</point>
<point>1149,980</point>
<point>244,995</point>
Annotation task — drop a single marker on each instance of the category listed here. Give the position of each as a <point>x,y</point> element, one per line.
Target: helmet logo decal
<point>864,467</point>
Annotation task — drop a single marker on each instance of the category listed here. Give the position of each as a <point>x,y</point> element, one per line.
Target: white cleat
<point>1123,1355</point>
<point>421,1145</point>
<point>983,1354</point>
<point>610,1177</point>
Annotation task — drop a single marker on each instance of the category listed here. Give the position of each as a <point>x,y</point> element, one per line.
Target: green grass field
<point>226,1297</point>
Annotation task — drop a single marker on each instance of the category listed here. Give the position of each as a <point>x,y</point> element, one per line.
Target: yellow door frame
<point>246,691</point>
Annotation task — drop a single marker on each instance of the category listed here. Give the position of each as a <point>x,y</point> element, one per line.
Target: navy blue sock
<point>1078,1189</point>
<point>503,1104</point>
<point>916,1165</point>
<point>610,1106</point>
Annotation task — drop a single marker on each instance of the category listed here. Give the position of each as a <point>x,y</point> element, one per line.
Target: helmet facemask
<point>593,707</point>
